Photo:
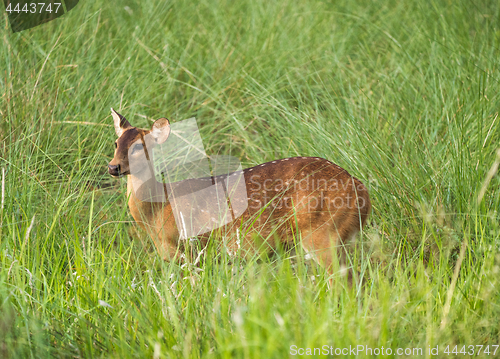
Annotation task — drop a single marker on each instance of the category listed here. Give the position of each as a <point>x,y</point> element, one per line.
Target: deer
<point>300,201</point>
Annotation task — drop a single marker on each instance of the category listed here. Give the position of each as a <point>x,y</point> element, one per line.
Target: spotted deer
<point>301,200</point>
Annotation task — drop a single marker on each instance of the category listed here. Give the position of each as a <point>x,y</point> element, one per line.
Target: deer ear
<point>160,130</point>
<point>121,123</point>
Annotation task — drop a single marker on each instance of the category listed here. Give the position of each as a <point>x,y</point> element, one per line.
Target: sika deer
<point>307,198</point>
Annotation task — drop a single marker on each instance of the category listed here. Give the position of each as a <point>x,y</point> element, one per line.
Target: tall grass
<point>402,94</point>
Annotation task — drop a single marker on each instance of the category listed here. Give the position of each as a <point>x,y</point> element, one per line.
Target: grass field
<point>403,94</point>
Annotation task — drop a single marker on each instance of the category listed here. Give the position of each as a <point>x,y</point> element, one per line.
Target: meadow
<point>402,94</point>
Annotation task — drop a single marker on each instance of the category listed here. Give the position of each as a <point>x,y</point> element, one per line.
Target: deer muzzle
<point>114,170</point>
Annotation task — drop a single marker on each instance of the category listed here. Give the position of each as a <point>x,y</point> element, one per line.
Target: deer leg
<point>326,248</point>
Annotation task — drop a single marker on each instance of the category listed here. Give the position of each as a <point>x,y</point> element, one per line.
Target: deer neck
<point>145,195</point>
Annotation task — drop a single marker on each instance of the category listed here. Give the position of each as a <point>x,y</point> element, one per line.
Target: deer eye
<point>116,145</point>
<point>136,148</point>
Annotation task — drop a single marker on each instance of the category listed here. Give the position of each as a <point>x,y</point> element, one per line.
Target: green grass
<point>403,94</point>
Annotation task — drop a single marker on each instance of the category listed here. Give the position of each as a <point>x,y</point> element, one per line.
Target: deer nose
<point>114,170</point>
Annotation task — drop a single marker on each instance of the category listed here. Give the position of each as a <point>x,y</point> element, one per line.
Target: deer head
<point>133,145</point>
